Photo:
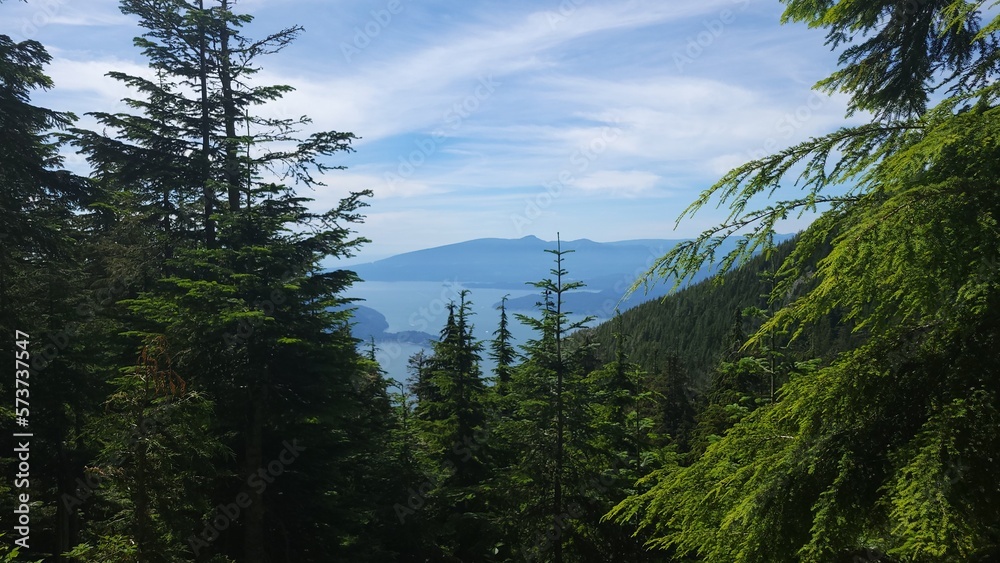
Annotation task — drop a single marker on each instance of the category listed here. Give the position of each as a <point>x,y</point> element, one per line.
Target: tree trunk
<point>560,420</point>
<point>229,111</point>
<point>208,194</point>
<point>253,524</point>
<point>66,486</point>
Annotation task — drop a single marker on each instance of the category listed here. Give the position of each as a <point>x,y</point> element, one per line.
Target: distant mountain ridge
<point>512,262</point>
<point>607,268</point>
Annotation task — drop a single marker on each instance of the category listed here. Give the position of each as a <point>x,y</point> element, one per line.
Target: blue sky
<point>598,119</point>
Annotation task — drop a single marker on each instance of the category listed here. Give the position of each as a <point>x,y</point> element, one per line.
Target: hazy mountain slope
<point>512,262</point>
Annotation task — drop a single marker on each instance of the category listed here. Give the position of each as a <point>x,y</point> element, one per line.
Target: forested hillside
<point>186,385</point>
<point>882,454</point>
<point>701,325</point>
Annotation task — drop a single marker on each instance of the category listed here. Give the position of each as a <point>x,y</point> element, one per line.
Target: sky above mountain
<point>597,119</point>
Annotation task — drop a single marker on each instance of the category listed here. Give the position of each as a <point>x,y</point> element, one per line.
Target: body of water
<point>423,306</point>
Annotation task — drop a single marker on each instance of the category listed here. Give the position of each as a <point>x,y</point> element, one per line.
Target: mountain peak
<point>511,262</point>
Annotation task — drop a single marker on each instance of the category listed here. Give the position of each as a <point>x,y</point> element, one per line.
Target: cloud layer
<point>597,118</point>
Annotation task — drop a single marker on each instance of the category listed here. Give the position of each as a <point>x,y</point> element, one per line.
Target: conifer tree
<point>157,450</point>
<point>456,378</point>
<point>550,419</point>
<point>44,282</point>
<point>453,410</point>
<point>419,368</point>
<point>619,447</point>
<point>502,350</point>
<point>254,322</point>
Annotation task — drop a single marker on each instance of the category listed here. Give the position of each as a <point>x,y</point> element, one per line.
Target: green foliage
<point>11,555</point>
<point>834,399</point>
<point>571,437</point>
<point>909,49</point>
<point>502,351</point>
<point>155,467</point>
<point>880,449</point>
<point>452,428</point>
<point>244,340</point>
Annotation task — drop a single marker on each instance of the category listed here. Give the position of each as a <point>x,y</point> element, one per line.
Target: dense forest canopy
<point>196,393</point>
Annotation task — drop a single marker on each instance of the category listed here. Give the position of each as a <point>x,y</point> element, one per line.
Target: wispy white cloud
<point>628,183</point>
<point>46,19</point>
<point>469,114</point>
<point>421,89</point>
<point>90,18</point>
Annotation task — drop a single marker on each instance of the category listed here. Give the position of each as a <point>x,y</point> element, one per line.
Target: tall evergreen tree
<point>620,445</point>
<point>419,368</point>
<point>454,422</point>
<point>550,416</point>
<point>502,350</point>
<point>242,300</point>
<point>44,283</point>
<point>455,375</point>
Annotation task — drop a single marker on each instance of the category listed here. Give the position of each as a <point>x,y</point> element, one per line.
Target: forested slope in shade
<point>701,325</point>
